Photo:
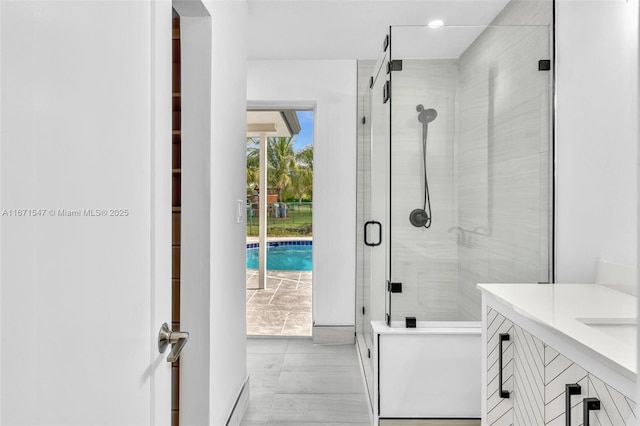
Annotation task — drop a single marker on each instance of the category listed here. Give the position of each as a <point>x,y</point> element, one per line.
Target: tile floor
<point>438,422</point>
<point>297,383</point>
<point>283,308</point>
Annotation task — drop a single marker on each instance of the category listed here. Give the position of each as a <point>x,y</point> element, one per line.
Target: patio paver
<point>283,308</point>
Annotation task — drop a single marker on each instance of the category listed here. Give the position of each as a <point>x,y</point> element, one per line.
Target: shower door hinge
<point>386,92</point>
<point>368,353</point>
<point>395,287</point>
<point>385,44</point>
<point>363,310</point>
<point>364,120</point>
<point>371,82</point>
<point>395,65</point>
<point>544,65</point>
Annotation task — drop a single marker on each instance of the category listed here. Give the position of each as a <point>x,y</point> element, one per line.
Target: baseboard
<point>241,405</point>
<point>334,334</point>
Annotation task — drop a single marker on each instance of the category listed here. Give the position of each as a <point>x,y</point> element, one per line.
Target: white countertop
<point>559,308</point>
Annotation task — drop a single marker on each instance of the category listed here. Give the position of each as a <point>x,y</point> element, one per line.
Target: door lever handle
<point>176,338</point>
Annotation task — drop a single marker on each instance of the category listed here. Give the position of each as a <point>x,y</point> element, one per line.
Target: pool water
<point>287,256</point>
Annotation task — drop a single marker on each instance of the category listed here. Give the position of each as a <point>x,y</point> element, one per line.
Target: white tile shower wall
<point>424,260</point>
<point>502,154</point>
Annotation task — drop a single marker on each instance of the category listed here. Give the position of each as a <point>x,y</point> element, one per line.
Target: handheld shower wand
<point>422,217</point>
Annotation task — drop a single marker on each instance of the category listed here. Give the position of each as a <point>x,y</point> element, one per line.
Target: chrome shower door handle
<point>176,338</point>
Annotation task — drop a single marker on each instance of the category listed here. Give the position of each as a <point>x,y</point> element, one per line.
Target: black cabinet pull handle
<point>366,227</point>
<point>503,337</point>
<point>589,404</point>
<point>570,389</point>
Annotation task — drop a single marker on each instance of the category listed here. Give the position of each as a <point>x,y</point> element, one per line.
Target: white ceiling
<point>352,29</point>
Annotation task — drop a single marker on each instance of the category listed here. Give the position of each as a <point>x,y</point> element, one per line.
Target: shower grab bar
<point>589,404</point>
<point>502,338</point>
<point>366,234</point>
<point>570,389</point>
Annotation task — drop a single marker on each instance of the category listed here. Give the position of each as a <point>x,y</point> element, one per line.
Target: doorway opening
<point>279,222</point>
<point>176,209</point>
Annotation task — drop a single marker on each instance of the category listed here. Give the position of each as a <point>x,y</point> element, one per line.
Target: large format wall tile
<point>502,153</point>
<point>424,260</point>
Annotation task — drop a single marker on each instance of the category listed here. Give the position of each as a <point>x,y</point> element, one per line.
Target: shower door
<point>364,219</point>
<point>380,143</point>
<point>372,163</point>
<point>373,158</point>
<point>469,171</point>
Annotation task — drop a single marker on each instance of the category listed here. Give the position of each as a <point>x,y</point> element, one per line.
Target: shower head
<point>422,217</point>
<point>426,115</point>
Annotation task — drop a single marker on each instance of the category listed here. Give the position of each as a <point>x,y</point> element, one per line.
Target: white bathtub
<point>432,371</point>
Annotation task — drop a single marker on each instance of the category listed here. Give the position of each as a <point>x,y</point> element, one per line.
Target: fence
<point>283,219</point>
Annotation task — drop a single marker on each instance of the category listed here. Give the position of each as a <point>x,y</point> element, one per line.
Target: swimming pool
<point>283,256</point>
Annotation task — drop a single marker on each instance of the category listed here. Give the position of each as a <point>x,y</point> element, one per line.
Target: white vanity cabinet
<point>560,371</point>
<point>499,369</point>
<point>538,362</point>
<point>520,400</point>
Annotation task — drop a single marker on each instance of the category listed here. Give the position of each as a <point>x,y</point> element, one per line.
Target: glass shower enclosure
<point>454,171</point>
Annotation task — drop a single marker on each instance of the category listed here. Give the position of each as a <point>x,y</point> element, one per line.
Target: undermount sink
<point>624,329</point>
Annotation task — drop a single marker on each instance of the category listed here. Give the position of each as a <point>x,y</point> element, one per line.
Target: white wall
<point>331,86</point>
<point>228,168</point>
<point>195,215</point>
<point>597,134</point>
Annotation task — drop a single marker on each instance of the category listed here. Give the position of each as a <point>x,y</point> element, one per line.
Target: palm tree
<point>302,181</point>
<point>253,164</point>
<point>286,169</point>
<point>281,163</point>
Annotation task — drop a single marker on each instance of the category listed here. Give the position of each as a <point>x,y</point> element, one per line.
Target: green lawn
<point>297,222</point>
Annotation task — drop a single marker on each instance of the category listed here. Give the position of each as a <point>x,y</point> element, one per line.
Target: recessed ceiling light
<point>436,24</point>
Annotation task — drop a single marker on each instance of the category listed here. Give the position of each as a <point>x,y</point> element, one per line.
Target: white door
<point>85,138</point>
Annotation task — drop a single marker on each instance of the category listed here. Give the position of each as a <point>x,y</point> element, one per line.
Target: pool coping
<point>293,243</point>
